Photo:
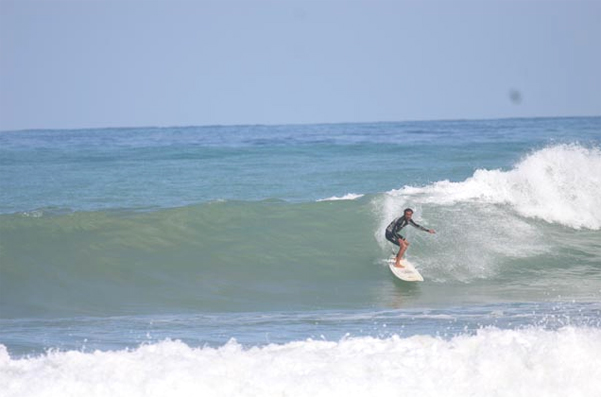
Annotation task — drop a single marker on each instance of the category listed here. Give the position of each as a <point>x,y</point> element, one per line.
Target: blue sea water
<point>250,260</point>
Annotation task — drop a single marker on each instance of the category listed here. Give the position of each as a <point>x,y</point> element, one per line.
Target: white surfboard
<point>406,273</point>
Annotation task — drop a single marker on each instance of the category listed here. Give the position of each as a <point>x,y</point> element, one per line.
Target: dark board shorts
<point>393,238</point>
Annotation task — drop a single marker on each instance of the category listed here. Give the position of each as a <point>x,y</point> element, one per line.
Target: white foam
<point>349,196</point>
<point>492,362</point>
<point>488,220</point>
<point>558,184</point>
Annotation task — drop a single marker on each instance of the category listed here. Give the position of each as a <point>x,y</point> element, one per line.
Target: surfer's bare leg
<point>404,245</point>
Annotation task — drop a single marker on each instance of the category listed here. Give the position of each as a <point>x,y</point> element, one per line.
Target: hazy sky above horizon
<point>93,63</point>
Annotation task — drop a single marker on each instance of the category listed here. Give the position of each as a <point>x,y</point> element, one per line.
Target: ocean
<point>251,260</point>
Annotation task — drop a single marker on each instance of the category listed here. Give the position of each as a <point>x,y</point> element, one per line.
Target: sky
<point>94,63</point>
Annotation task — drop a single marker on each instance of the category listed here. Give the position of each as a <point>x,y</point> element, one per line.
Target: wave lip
<point>491,362</point>
<point>559,184</point>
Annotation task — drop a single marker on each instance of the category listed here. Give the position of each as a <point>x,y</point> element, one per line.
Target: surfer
<point>392,233</point>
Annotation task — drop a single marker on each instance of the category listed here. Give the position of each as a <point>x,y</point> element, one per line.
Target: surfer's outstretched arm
<point>420,227</point>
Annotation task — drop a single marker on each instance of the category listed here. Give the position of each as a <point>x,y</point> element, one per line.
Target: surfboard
<point>406,273</point>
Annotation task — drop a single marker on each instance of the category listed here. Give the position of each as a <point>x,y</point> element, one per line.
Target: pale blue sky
<point>93,63</point>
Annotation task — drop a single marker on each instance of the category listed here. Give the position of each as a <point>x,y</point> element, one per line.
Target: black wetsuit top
<point>392,231</point>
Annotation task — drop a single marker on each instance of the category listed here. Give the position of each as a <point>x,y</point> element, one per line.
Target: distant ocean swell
<point>538,220</point>
<point>527,362</point>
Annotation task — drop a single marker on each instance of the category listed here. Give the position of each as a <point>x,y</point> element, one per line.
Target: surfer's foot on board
<point>398,264</point>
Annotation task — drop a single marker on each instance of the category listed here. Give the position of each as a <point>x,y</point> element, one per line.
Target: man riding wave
<point>393,230</point>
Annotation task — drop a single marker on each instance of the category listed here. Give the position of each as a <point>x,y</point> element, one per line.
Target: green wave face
<point>246,256</point>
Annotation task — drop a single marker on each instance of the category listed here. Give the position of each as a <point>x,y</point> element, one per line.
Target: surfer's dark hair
<point>408,210</point>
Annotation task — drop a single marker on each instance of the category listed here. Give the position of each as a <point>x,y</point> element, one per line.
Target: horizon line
<point>294,123</point>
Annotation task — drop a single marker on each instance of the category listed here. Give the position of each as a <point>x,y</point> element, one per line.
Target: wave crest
<point>558,184</point>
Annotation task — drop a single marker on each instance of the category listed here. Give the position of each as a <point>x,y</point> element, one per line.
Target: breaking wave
<point>537,362</point>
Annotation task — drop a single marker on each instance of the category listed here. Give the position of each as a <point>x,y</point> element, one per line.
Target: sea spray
<point>558,184</point>
<point>496,219</point>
